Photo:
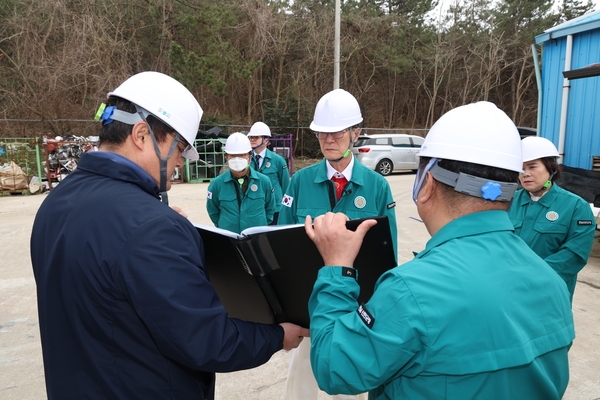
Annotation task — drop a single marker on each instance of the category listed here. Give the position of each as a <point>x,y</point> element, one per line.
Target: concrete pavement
<point>21,369</point>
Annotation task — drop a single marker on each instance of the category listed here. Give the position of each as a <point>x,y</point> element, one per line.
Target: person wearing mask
<point>476,314</point>
<point>557,224</point>
<point>241,197</point>
<point>269,163</point>
<point>126,310</point>
<point>338,183</point>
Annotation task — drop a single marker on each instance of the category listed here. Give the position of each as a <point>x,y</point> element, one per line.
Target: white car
<point>385,153</point>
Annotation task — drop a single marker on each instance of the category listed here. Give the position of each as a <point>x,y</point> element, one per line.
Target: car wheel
<point>384,167</point>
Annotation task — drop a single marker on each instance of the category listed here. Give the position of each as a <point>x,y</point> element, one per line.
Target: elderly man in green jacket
<point>339,183</point>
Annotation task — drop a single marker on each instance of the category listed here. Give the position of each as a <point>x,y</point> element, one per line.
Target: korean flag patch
<point>209,195</point>
<point>287,200</point>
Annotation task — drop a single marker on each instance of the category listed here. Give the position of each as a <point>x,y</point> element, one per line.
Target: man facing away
<point>339,183</point>
<point>476,315</point>
<point>269,163</point>
<point>125,306</point>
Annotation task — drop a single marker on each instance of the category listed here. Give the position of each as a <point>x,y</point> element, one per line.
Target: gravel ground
<point>21,369</point>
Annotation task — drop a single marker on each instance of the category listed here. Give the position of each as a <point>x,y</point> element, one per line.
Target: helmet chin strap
<point>262,141</point>
<point>346,153</point>
<point>546,185</point>
<point>162,186</point>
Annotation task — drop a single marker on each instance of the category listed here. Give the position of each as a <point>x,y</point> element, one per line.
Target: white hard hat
<point>259,129</point>
<point>477,133</point>
<point>237,143</point>
<point>166,99</point>
<point>335,111</point>
<point>535,147</point>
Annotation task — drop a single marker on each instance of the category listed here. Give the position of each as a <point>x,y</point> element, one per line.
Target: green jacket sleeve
<point>284,176</point>
<point>574,251</point>
<point>212,203</point>
<point>269,201</point>
<point>287,214</point>
<point>344,346</point>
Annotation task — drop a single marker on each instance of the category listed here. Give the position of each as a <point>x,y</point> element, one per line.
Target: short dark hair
<point>115,133</point>
<point>482,171</point>
<point>552,166</point>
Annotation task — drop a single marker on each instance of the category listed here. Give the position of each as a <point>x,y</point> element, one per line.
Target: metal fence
<point>289,142</point>
<point>211,162</point>
<point>24,152</point>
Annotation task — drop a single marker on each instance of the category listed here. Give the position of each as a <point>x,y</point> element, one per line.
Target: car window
<point>401,142</point>
<point>361,141</point>
<point>382,141</point>
<point>417,141</point>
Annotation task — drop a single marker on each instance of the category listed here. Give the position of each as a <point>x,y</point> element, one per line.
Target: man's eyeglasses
<point>335,135</point>
<point>182,141</point>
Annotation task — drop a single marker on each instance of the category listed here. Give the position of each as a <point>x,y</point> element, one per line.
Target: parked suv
<point>385,153</point>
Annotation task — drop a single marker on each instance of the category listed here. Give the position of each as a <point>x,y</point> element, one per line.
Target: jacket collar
<point>251,176</point>
<point>115,166</point>
<point>545,200</point>
<point>358,173</point>
<point>469,225</point>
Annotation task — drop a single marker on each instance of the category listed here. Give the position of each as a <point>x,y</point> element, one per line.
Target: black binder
<point>266,274</point>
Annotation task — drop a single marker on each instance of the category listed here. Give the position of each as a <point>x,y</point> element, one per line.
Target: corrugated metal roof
<point>580,24</point>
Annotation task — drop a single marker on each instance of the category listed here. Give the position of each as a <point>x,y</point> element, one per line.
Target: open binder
<point>266,274</point>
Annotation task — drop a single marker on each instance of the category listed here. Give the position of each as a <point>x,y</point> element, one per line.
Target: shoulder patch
<point>391,205</point>
<point>284,166</point>
<point>209,195</point>
<point>584,222</point>
<point>366,316</point>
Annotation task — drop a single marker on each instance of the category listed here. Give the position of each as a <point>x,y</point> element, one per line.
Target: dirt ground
<point>21,368</point>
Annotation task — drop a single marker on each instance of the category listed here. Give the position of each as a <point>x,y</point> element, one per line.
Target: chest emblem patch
<point>552,216</point>
<point>268,165</point>
<point>254,188</point>
<point>360,202</point>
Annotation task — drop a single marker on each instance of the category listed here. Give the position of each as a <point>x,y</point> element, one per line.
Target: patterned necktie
<point>257,158</point>
<point>340,184</point>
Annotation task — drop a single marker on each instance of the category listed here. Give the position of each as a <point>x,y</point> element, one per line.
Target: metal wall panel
<point>582,140</point>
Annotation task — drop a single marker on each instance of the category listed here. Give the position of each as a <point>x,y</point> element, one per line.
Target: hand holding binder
<point>266,274</point>
<point>337,245</point>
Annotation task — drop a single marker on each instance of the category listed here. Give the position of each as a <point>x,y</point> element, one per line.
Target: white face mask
<point>237,164</point>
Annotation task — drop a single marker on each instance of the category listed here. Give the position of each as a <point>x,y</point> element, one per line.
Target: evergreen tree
<point>570,9</point>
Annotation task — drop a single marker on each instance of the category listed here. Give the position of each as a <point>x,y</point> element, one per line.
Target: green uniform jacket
<point>559,227</point>
<point>229,209</point>
<point>476,315</point>
<point>368,194</point>
<point>275,167</point>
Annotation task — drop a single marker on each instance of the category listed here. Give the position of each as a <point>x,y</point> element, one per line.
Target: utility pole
<point>336,47</point>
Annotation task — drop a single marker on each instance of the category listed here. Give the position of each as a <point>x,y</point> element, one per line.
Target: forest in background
<point>271,60</point>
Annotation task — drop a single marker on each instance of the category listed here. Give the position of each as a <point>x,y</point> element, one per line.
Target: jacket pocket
<point>551,227</point>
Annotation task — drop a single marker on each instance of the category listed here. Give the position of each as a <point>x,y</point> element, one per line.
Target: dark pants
<point>275,218</point>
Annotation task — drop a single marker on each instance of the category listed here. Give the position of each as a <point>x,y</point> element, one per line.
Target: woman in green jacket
<point>558,225</point>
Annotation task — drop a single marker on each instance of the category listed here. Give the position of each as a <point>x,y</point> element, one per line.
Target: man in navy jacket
<point>125,305</point>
